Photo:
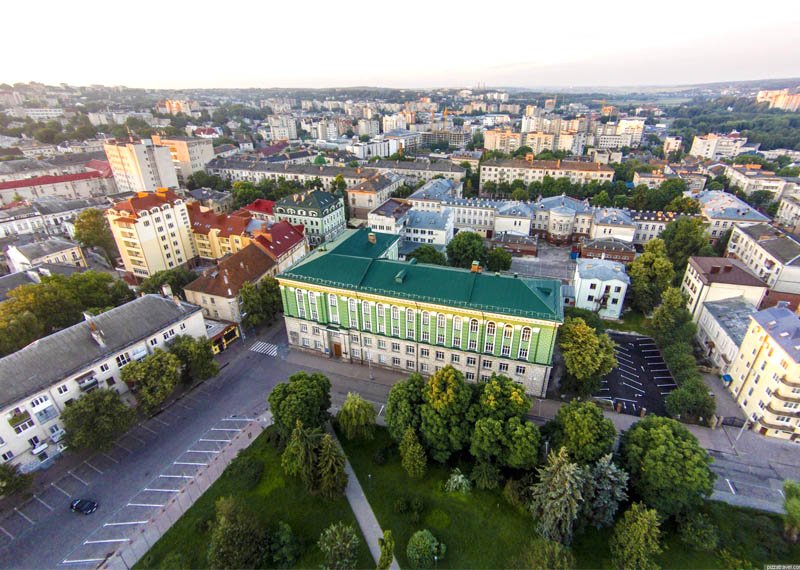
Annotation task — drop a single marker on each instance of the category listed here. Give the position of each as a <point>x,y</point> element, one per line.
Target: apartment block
<point>188,154</point>
<point>65,186</point>
<point>320,213</point>
<point>721,329</point>
<point>708,279</point>
<point>373,191</point>
<point>714,146</point>
<point>502,140</point>
<point>53,250</point>
<point>139,166</point>
<point>765,378</point>
<point>498,171</point>
<point>788,215</point>
<point>771,254</point>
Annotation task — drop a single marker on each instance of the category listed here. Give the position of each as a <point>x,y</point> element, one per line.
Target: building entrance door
<point>337,350</point>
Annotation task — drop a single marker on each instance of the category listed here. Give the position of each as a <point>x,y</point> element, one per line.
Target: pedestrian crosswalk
<point>265,348</point>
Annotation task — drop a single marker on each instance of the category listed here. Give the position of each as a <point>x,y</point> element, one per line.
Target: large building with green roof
<point>356,302</point>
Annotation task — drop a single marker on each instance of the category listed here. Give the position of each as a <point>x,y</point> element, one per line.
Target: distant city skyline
<point>423,45</point>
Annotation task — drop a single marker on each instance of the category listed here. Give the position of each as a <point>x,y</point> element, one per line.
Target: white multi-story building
<point>188,154</point>
<point>788,214</point>
<point>371,192</point>
<point>53,250</point>
<point>722,210</point>
<point>236,170</point>
<point>540,142</point>
<point>672,144</point>
<point>721,328</point>
<point>153,232</point>
<point>612,222</point>
<point>427,228</point>
<point>600,286</point>
<point>714,147</point>
<point>368,127</point>
<point>717,278</point>
<point>390,217</point>
<point>40,380</point>
<point>394,123</point>
<point>498,171</point>
<point>751,179</point>
<point>64,186</point>
<point>503,140</point>
<point>633,127</point>
<point>140,166</point>
<point>771,254</point>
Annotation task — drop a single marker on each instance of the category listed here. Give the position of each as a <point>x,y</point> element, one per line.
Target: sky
<point>412,43</point>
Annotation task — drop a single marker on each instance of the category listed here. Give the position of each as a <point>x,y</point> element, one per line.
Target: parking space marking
<point>107,456</point>
<point>152,505</point>
<point>41,501</point>
<point>160,421</point>
<point>126,523</point>
<point>184,406</point>
<point>201,451</point>
<point>177,476</point>
<point>650,350</point>
<point>730,486</point>
<point>136,438</point>
<point>666,385</point>
<point>83,561</point>
<point>190,463</point>
<point>656,356</point>
<point>107,540</point>
<point>624,400</point>
<point>665,393</point>
<point>217,440</point>
<point>634,381</point>
<point>633,387</point>
<point>5,532</point>
<point>24,516</point>
<point>163,490</point>
<point>627,366</point>
<point>62,490</point>
<point>238,419</point>
<point>118,444</point>
<point>78,478</point>
<point>225,429</point>
<point>89,465</point>
<point>144,427</point>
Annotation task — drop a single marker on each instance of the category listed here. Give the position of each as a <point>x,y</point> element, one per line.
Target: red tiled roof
<point>261,206</point>
<point>101,166</point>
<point>280,238</point>
<point>228,225</point>
<point>146,200</point>
<point>45,180</point>
<point>272,149</point>
<point>225,280</point>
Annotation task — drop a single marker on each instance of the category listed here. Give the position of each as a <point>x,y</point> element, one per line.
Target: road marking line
<point>730,486</point>
<point>109,457</point>
<point>225,429</point>
<point>633,387</point>
<point>216,440</point>
<point>634,381</point>
<point>666,393</point>
<point>41,501</point>
<point>650,350</point>
<point>23,515</point>
<point>123,447</point>
<point>200,451</point>
<point>82,560</point>
<point>163,490</point>
<point>145,428</point>
<point>624,400</point>
<point>125,523</point>
<point>92,467</point>
<point>60,489</point>
<point>78,478</point>
<point>184,406</point>
<point>177,476</point>
<point>238,420</point>
<point>107,540</point>
<point>8,534</point>
<point>136,438</point>
<point>666,385</point>
<point>190,463</point>
<point>161,421</point>
<point>627,366</point>
<point>143,505</point>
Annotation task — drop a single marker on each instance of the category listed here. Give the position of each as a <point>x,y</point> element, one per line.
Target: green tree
<point>601,199</point>
<point>299,458</point>
<point>386,544</point>
<point>153,379</point>
<point>96,420</point>
<point>424,549</point>
<point>581,428</point>
<point>176,278</point>
<point>683,205</point>
<point>520,194</point>
<point>92,230</point>
<point>331,475</point>
<point>691,400</point>
<point>305,397</point>
<point>542,553</point>
<point>465,248</point>
<point>196,356</point>
<point>12,481</point>
<point>339,183</point>
<point>722,243</point>
<point>445,428</point>
<point>651,273</point>
<point>671,320</point>
<point>41,299</point>
<point>260,301</point>
<point>588,356</point>
<point>606,489</point>
<point>637,539</point>
<point>668,469</point>
<point>498,259</point>
<point>245,193</point>
<point>485,475</point>
<point>513,442</point>
<point>18,329</point>
<point>556,499</point>
<point>428,254</point>
<point>684,238</point>
<point>791,504</point>
<point>320,160</point>
<point>403,406</point>
<point>237,539</point>
<point>339,545</point>
<point>94,290</point>
<point>357,417</point>
<point>284,547</point>
<point>412,455</point>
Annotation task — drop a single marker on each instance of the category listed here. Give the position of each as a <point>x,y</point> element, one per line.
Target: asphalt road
<point>45,532</point>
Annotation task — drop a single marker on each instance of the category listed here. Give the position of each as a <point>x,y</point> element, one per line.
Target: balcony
<point>88,383</point>
<point>47,414</point>
<point>40,447</point>
<point>15,419</point>
<point>58,436</point>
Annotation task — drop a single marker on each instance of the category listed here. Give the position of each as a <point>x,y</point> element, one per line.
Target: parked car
<point>83,506</point>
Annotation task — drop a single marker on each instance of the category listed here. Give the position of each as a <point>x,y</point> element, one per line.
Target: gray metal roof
<point>782,246</point>
<point>429,220</point>
<point>33,275</point>
<point>563,201</point>
<point>612,216</point>
<point>42,248</point>
<point>783,326</point>
<point>733,316</point>
<point>66,352</point>
<point>717,204</point>
<point>436,189</point>
<point>602,269</point>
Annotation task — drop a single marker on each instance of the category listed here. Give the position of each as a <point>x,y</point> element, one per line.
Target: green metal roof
<point>448,286</point>
<point>357,244</point>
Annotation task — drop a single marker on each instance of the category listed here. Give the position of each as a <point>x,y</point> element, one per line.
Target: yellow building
<point>765,377</point>
<point>217,235</point>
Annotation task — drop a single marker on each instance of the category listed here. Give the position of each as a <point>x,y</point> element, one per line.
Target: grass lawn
<point>632,321</point>
<point>481,530</point>
<point>275,498</point>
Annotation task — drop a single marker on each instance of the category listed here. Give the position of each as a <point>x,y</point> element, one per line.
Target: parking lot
<point>641,379</point>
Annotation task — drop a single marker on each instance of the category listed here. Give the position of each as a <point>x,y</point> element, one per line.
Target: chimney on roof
<point>475,267</point>
<point>727,269</point>
<point>97,334</point>
<point>166,290</point>
<point>372,238</point>
<point>714,269</point>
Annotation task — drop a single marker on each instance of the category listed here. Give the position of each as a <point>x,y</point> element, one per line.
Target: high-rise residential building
<point>633,126</point>
<point>713,146</point>
<point>540,142</point>
<point>368,127</point>
<point>765,377</point>
<point>394,122</point>
<point>356,303</point>
<point>188,154</point>
<point>672,144</point>
<point>140,166</point>
<point>503,140</point>
<point>152,231</point>
<point>773,255</point>
<point>786,99</point>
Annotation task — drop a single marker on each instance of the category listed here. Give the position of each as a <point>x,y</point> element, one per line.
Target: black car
<point>83,506</point>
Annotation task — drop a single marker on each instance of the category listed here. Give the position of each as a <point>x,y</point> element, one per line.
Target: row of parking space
<point>58,494</point>
<point>641,381</point>
<point>142,508</point>
<point>758,482</point>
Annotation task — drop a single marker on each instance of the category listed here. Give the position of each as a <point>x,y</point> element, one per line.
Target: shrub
<point>246,470</point>
<point>485,475</point>
<point>543,553</point>
<point>414,517</point>
<point>284,547</point>
<point>424,550</point>
<point>417,504</point>
<point>339,545</point>
<point>699,532</point>
<point>515,494</point>
<point>379,457</point>
<point>457,483</point>
<point>400,505</point>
